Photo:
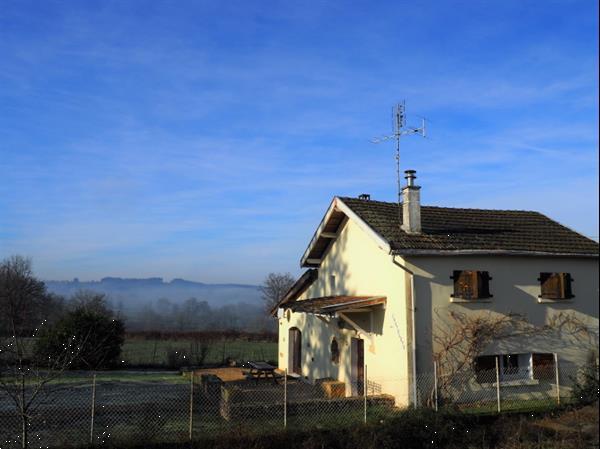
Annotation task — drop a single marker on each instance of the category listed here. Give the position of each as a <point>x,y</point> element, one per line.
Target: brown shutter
<point>483,284</point>
<point>466,284</point>
<point>565,279</point>
<point>474,280</point>
<point>543,366</point>
<point>551,285</point>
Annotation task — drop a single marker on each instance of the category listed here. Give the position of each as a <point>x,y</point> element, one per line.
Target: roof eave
<point>350,305</point>
<point>338,204</point>
<point>483,252</point>
<point>299,287</point>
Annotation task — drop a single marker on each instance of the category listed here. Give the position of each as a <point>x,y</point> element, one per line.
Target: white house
<point>383,279</point>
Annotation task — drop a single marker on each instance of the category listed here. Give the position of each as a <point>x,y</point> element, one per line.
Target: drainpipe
<point>413,330</point>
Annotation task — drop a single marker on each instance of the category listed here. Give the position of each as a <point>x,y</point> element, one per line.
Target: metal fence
<point>101,409</point>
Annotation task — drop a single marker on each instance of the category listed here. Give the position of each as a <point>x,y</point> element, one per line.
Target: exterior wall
<point>360,267</point>
<point>515,289</point>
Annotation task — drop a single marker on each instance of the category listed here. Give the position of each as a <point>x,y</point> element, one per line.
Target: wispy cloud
<point>206,140</point>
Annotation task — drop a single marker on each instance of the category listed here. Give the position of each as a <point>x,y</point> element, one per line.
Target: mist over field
<point>177,305</point>
<point>135,292</point>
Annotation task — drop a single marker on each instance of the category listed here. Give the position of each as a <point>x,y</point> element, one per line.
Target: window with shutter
<point>555,285</point>
<point>485,368</point>
<point>471,284</point>
<point>543,366</point>
<point>483,284</point>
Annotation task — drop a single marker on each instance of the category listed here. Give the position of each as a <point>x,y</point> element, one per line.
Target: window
<point>470,284</point>
<point>332,284</point>
<point>543,366</point>
<point>335,351</point>
<point>511,367</point>
<point>485,368</point>
<point>555,285</point>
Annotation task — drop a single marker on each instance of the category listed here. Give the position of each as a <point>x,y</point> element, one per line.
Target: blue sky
<point>205,140</point>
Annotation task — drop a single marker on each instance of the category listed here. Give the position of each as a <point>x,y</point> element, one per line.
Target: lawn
<point>175,353</point>
<point>514,406</point>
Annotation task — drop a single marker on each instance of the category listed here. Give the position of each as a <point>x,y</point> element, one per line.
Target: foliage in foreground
<point>426,429</point>
<point>91,323</point>
<point>586,386</point>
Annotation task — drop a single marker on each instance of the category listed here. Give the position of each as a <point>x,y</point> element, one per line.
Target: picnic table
<point>258,369</point>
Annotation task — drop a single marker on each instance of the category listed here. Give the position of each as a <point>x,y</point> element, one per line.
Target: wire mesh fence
<point>106,409</point>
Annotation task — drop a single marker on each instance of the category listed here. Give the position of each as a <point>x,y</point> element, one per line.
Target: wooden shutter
<point>551,285</point>
<point>543,366</point>
<point>465,284</point>
<point>556,285</point>
<point>483,284</point>
<point>566,285</point>
<point>471,284</point>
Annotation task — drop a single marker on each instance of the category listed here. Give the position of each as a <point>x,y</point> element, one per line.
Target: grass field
<point>174,353</point>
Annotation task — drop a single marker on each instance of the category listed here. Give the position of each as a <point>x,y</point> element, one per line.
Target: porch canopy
<point>329,305</point>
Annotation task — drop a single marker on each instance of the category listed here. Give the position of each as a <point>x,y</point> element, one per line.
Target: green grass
<point>515,406</point>
<point>85,377</point>
<point>141,352</point>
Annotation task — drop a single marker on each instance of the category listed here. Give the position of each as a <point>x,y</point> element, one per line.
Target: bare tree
<point>274,288</point>
<point>90,301</point>
<point>23,378</point>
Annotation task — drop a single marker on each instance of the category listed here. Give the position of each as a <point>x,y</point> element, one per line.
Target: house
<point>385,281</point>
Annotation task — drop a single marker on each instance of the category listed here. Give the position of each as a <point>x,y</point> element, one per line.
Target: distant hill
<point>132,293</point>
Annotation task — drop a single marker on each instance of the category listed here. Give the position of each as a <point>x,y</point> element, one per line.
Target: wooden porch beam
<point>328,235</point>
<point>352,323</point>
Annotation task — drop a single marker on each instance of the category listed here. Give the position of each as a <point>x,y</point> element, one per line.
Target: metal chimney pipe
<point>410,177</point>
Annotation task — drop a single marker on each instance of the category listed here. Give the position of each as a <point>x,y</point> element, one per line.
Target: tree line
<point>197,315</point>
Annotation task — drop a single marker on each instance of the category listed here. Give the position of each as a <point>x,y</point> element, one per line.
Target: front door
<point>295,351</point>
<point>358,366</point>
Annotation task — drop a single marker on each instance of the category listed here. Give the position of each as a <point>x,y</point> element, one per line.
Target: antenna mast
<point>400,129</point>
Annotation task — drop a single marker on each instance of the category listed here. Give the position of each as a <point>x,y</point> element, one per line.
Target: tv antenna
<point>400,129</point>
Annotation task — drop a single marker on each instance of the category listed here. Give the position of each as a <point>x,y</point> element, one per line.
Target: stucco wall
<point>515,289</point>
<point>360,267</point>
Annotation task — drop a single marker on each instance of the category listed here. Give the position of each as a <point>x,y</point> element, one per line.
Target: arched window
<point>335,351</point>
<point>295,350</point>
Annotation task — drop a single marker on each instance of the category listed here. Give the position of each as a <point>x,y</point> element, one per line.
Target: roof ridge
<point>450,230</point>
<point>391,203</point>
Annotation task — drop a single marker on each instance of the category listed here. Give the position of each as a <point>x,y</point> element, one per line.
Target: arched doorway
<point>295,351</point>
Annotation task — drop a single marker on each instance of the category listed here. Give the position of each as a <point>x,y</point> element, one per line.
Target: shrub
<point>586,386</point>
<point>94,337</point>
<point>177,358</point>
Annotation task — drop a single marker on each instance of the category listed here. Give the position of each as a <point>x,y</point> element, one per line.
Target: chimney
<point>364,197</point>
<point>411,204</point>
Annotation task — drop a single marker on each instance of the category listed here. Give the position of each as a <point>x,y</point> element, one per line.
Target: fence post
<point>93,409</point>
<point>498,384</point>
<point>557,378</point>
<point>435,385</point>
<point>191,424</point>
<point>365,393</point>
<point>285,374</point>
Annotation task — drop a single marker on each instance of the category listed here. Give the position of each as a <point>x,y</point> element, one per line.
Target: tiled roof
<point>330,304</point>
<point>451,229</point>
